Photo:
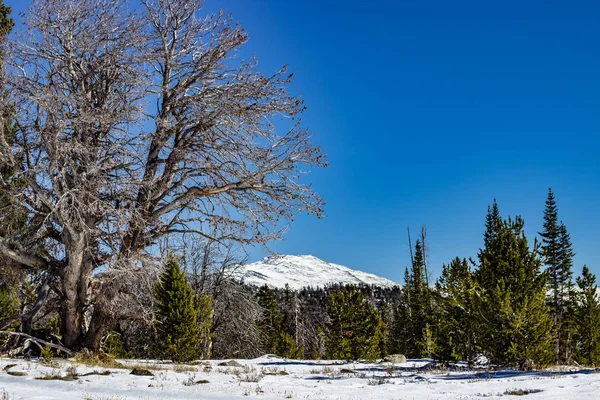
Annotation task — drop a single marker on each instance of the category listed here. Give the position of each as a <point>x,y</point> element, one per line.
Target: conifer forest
<point>140,159</point>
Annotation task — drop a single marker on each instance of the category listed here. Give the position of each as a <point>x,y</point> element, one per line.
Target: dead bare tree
<point>136,123</point>
<point>425,252</point>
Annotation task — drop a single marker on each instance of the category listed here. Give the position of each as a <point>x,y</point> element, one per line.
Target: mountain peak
<point>304,270</point>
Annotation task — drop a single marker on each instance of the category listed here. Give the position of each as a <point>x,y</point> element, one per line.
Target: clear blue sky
<point>428,110</point>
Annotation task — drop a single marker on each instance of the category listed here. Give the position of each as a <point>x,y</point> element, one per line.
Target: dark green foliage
<point>513,321</point>
<point>401,337</point>
<point>112,344</point>
<point>455,295</point>
<point>385,319</point>
<point>587,311</point>
<point>277,339</point>
<point>354,329</point>
<point>557,254</point>
<point>9,302</point>
<point>271,319</point>
<point>6,23</point>
<point>203,304</point>
<point>285,346</point>
<point>412,329</point>
<point>177,329</point>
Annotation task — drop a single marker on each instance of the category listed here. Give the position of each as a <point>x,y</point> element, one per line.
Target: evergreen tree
<point>353,331</point>
<point>557,254</point>
<point>567,298</point>
<point>399,330</point>
<point>416,312</point>
<point>587,333</point>
<point>271,320</point>
<point>178,330</point>
<point>515,326</point>
<point>384,325</point>
<point>493,223</point>
<point>277,339</point>
<point>455,289</point>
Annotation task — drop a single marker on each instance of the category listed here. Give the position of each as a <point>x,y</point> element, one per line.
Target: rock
<point>347,371</point>
<point>201,381</point>
<point>103,373</point>
<point>527,365</point>
<point>17,373</point>
<point>141,372</point>
<point>9,366</point>
<point>395,358</point>
<point>230,363</point>
<point>283,373</point>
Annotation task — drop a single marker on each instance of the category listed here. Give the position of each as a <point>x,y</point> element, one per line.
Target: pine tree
<point>277,339</point>
<point>567,296</point>
<point>418,308</point>
<point>455,289</point>
<point>384,326</point>
<point>557,254</point>
<point>271,320</point>
<point>514,326</point>
<point>353,331</point>
<point>399,330</point>
<point>178,330</point>
<point>587,332</point>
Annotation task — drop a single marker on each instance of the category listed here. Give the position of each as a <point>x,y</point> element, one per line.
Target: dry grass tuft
<point>102,360</point>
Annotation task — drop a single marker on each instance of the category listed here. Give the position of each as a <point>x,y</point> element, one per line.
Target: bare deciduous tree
<point>132,123</point>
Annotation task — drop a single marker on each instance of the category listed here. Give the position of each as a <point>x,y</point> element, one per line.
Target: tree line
<point>517,304</point>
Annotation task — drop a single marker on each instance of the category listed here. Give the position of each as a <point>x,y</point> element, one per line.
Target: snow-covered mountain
<point>302,271</point>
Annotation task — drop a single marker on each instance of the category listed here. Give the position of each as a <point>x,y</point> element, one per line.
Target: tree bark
<point>77,278</point>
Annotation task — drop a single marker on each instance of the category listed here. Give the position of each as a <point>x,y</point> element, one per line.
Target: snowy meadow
<point>270,377</point>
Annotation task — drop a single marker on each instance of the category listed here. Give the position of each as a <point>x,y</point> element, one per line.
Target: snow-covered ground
<point>302,271</point>
<point>269,377</point>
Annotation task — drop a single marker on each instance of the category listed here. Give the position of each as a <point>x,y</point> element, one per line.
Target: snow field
<point>269,377</point>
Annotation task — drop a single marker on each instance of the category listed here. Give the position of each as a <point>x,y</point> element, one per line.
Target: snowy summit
<point>302,271</point>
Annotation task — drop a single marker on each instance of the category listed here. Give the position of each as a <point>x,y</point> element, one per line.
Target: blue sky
<point>428,110</point>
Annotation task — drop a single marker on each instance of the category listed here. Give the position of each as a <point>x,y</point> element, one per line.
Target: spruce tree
<point>557,255</point>
<point>415,321</point>
<point>277,339</point>
<point>455,289</point>
<point>178,330</point>
<point>514,327</point>
<point>271,319</point>
<point>587,332</point>
<point>354,329</point>
<point>399,329</point>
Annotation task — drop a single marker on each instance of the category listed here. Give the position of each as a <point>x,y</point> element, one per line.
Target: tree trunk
<point>93,338</point>
<point>76,282</point>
